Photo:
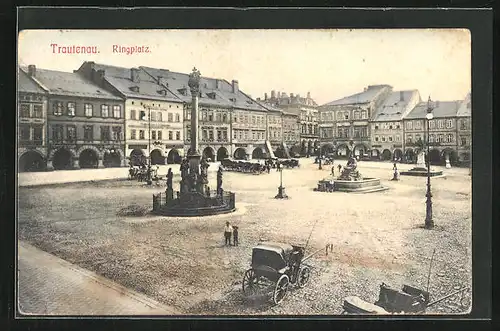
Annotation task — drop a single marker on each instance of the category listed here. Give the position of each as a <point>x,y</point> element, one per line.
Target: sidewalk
<point>48,285</point>
<point>85,175</point>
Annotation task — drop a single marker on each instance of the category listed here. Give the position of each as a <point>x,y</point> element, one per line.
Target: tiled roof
<point>223,93</point>
<point>148,88</point>
<point>396,106</point>
<point>70,84</point>
<point>465,109</point>
<point>441,109</point>
<point>25,84</point>
<point>363,97</point>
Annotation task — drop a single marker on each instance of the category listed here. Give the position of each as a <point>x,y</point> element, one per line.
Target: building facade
<point>387,125</point>
<point>442,135</point>
<point>32,123</point>
<point>85,122</point>
<point>153,114</point>
<point>352,117</point>
<point>464,132</point>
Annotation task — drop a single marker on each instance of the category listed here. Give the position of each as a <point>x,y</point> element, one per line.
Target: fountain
<point>421,169</point>
<point>194,197</point>
<point>350,180</point>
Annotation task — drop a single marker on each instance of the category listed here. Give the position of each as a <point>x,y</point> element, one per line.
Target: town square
<point>145,190</point>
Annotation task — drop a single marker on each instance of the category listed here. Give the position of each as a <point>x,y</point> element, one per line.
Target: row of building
<point>104,116</point>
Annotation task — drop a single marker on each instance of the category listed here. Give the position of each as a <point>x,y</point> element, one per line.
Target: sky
<point>330,64</point>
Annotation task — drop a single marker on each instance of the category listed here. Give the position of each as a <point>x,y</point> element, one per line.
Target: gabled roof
<point>27,85</point>
<point>396,106</point>
<point>465,109</point>
<point>145,88</point>
<point>70,84</point>
<point>441,109</point>
<point>366,96</point>
<point>209,88</point>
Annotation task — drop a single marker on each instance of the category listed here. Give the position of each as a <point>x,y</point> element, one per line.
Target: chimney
<point>273,94</point>
<point>101,73</point>
<point>134,75</point>
<point>265,96</point>
<point>32,70</point>
<point>279,95</point>
<point>291,95</point>
<point>401,96</point>
<point>258,99</point>
<point>309,95</point>
<point>235,86</point>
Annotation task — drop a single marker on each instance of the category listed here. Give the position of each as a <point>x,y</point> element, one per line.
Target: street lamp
<point>319,156</point>
<point>429,222</point>
<point>148,173</point>
<point>281,190</point>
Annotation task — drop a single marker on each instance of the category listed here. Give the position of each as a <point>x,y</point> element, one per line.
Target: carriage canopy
<point>274,255</point>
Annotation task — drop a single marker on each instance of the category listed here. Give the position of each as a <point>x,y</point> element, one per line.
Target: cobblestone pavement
<point>49,285</point>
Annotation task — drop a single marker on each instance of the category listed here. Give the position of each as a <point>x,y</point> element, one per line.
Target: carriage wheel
<point>281,289</point>
<point>304,275</point>
<point>250,282</point>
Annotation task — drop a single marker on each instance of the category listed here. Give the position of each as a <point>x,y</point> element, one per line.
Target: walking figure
<point>228,231</point>
<point>340,168</point>
<point>235,236</point>
<point>333,169</point>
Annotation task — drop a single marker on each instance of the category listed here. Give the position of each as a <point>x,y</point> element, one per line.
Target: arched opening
<point>398,154</point>
<point>88,159</point>
<point>451,155</point>
<point>375,154</point>
<point>410,156</point>
<point>386,154</point>
<point>173,157</point>
<point>435,157</point>
<point>112,159</point>
<point>240,154</point>
<point>208,153</point>
<point>62,159</point>
<point>222,154</point>
<point>360,150</point>
<point>31,161</point>
<point>342,151</point>
<point>327,149</point>
<point>156,157</point>
<point>137,157</point>
<point>257,153</point>
<point>280,152</point>
<point>309,148</point>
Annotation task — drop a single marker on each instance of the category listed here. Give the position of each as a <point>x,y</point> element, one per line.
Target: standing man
<point>228,232</point>
<point>235,236</point>
<point>340,168</point>
<point>333,169</point>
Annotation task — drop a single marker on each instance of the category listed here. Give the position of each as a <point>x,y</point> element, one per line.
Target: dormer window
<point>162,92</point>
<point>232,99</point>
<point>211,95</point>
<point>249,102</point>
<point>182,91</point>
<point>134,88</point>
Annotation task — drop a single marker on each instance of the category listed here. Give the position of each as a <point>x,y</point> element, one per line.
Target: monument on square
<point>350,180</point>
<point>194,197</point>
<point>420,169</point>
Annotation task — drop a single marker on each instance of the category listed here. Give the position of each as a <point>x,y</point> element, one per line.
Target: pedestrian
<point>340,168</point>
<point>333,169</point>
<point>235,236</point>
<point>228,231</point>
<point>268,168</point>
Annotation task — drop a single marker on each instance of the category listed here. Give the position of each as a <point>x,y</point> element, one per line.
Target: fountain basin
<point>194,204</point>
<point>365,185</point>
<point>421,172</point>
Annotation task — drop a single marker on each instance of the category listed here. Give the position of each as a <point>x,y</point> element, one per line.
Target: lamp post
<point>281,190</point>
<point>429,222</point>
<point>320,167</point>
<point>148,179</point>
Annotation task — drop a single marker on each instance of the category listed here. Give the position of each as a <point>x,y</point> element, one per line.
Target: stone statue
<point>350,172</point>
<point>194,81</point>
<point>184,169</point>
<point>421,159</point>
<point>204,165</point>
<point>219,181</point>
<point>169,191</point>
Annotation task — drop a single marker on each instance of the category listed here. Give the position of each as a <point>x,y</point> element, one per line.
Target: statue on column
<point>219,181</point>
<point>194,80</point>
<point>184,175</point>
<point>204,171</point>
<point>170,190</point>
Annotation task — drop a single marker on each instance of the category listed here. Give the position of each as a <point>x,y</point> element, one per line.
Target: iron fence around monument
<point>211,203</point>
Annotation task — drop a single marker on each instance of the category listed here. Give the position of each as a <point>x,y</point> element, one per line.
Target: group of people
<point>231,231</point>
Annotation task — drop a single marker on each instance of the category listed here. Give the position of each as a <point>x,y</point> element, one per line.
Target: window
<point>24,132</point>
<point>141,134</point>
<point>88,110</point>
<point>376,138</point>
<point>57,132</point>
<point>431,138</point>
<point>159,117</point>
<point>177,135</point>
<point>398,126</point>
<point>37,134</point>
<point>346,115</point>
<point>71,133</point>
<point>390,127</point>
<point>464,125</point>
<point>170,117</point>
<point>224,117</point>
<point>188,138</point>
<point>356,115</point>
<point>211,135</point>
<point>375,127</point>
<point>418,125</point>
<point>363,114</point>
<point>432,124</point>
<point>153,116</point>
<point>177,118</point>
<point>159,135</point>
<point>383,138</point>
<point>397,137</point>
<point>219,135</point>
<point>57,108</point>
<point>440,124</point>
<point>409,125</point>
<point>37,111</point>
<point>449,124</point>
<point>88,133</point>
<point>463,141</point>
<point>170,135</point>
<point>25,110</point>
<point>105,133</point>
<point>449,137</point>
<point>409,138</point>
<point>133,134</point>
<point>132,114</point>
<point>390,138</point>
<point>105,111</point>
<point>117,111</point>
<point>234,135</point>
<point>142,115</point>
<point>441,138</point>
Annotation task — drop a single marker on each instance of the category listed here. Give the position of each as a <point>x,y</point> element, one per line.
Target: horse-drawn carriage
<point>290,163</point>
<point>243,166</point>
<point>274,267</point>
